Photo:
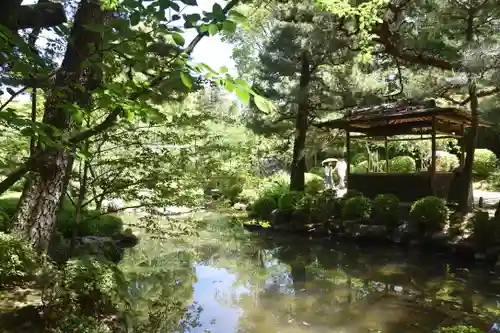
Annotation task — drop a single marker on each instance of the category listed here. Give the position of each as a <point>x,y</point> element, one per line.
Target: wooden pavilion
<point>422,118</point>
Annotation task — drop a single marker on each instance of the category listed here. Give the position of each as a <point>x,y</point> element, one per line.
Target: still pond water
<point>228,280</point>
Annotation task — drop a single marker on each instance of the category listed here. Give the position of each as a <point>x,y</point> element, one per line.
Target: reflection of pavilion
<point>423,119</point>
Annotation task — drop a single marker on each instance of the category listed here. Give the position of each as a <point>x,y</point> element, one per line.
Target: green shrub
<point>460,329</point>
<point>92,224</point>
<point>275,185</point>
<point>262,207</point>
<point>318,170</point>
<point>232,192</point>
<point>18,261</point>
<point>93,285</point>
<point>288,201</point>
<point>305,204</point>
<point>352,194</point>
<point>385,208</point>
<point>485,162</point>
<point>248,196</point>
<point>326,206</point>
<point>448,163</point>
<point>8,208</point>
<point>402,164</point>
<point>430,211</point>
<point>314,184</point>
<point>357,208</point>
<point>361,167</point>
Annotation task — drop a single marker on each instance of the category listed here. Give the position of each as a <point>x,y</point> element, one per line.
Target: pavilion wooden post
<point>433,156</point>
<point>386,156</point>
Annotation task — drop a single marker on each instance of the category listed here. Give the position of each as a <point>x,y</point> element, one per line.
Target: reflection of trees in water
<point>161,287</point>
<point>370,289</point>
<point>294,283</point>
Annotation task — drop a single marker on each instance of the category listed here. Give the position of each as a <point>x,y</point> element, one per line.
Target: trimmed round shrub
<point>485,162</point>
<point>262,207</point>
<point>448,163</point>
<point>385,208</point>
<point>430,211</point>
<point>357,208</point>
<point>18,260</point>
<point>402,164</point>
<point>289,200</point>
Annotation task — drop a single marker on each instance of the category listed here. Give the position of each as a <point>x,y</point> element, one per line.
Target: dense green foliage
<point>431,212</point>
<point>357,208</point>
<point>18,262</point>
<point>289,200</point>
<point>402,164</point>
<point>385,208</point>
<point>485,162</point>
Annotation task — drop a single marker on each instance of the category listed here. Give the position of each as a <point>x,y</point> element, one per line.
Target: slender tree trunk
<point>301,124</point>
<point>471,143</point>
<point>79,204</point>
<point>39,204</point>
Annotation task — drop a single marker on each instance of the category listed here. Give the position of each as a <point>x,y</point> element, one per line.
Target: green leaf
<point>218,12</point>
<point>187,80</point>
<point>190,2</point>
<point>223,69</point>
<point>135,18</point>
<point>242,95</point>
<point>192,18</point>
<point>229,26</point>
<point>229,85</point>
<point>178,39</point>
<point>262,104</point>
<point>174,6</point>
<point>213,29</point>
<point>204,28</point>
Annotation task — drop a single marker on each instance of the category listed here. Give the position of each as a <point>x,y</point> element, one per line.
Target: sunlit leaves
<point>178,39</point>
<point>187,80</point>
<point>213,29</point>
<point>229,26</point>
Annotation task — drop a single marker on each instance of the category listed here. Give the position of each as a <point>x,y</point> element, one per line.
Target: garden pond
<point>226,279</point>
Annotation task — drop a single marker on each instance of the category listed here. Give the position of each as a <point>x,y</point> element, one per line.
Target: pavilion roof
<point>401,118</point>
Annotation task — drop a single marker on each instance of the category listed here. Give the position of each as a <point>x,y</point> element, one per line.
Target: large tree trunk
<point>301,124</point>
<point>466,177</point>
<point>38,207</point>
